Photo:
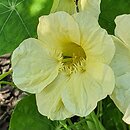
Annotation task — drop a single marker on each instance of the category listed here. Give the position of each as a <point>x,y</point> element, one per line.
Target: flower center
<point>72,56</point>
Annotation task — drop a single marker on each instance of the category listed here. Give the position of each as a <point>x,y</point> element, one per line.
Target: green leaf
<point>18,21</point>
<point>95,124</point>
<point>109,10</point>
<point>27,117</point>
<point>112,117</point>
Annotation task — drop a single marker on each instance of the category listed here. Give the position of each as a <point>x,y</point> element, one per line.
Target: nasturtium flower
<point>64,5</point>
<point>70,6</point>
<point>67,67</point>
<point>121,66</point>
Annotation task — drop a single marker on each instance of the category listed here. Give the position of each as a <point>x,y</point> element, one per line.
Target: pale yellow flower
<point>67,67</point>
<point>121,66</point>
<point>64,5</point>
<point>69,6</point>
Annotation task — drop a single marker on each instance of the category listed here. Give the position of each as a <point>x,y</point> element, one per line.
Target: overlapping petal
<point>34,67</point>
<point>120,95</point>
<point>64,5</point>
<point>121,66</point>
<point>58,31</point>
<point>69,6</point>
<point>49,101</point>
<point>122,30</point>
<point>95,41</point>
<point>126,117</point>
<point>84,89</point>
<point>121,61</point>
<point>92,6</point>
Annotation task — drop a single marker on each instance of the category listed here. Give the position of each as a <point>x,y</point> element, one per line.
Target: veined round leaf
<point>109,10</point>
<point>27,117</point>
<point>18,21</point>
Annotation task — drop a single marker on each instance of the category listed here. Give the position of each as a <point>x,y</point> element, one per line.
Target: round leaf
<point>18,21</point>
<point>27,117</point>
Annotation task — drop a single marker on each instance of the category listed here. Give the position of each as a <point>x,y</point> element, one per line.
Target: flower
<point>70,6</point>
<point>121,66</point>
<point>93,6</point>
<point>64,5</point>
<point>67,67</point>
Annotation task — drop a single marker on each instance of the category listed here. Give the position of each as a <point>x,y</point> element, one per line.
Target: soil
<point>9,95</point>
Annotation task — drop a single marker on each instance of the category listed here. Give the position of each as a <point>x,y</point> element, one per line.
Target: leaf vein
<point>23,23</point>
<point>6,21</point>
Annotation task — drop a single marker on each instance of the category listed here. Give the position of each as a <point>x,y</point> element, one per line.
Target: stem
<point>99,111</point>
<point>71,124</point>
<point>129,127</point>
<point>82,121</point>
<point>6,82</point>
<point>63,123</point>
<point>85,125</point>
<point>97,123</point>
<point>5,74</point>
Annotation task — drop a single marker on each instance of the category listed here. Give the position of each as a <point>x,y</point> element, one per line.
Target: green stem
<point>63,123</point>
<point>82,121</point>
<point>129,127</point>
<point>85,126</point>
<point>97,123</point>
<point>6,82</point>
<point>5,74</point>
<point>99,111</point>
<point>71,124</point>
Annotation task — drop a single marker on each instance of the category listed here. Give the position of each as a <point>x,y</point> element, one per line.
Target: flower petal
<point>69,6</point>
<point>122,29</point>
<point>121,66</point>
<point>91,5</point>
<point>58,30</point>
<point>121,93</point>
<point>95,41</point>
<point>126,117</point>
<point>121,60</point>
<point>33,66</point>
<point>85,89</point>
<point>49,101</point>
<point>63,5</point>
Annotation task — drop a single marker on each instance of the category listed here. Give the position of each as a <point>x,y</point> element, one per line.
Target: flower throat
<point>72,53</point>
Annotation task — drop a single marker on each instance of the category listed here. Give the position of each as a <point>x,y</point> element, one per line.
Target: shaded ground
<point>9,95</point>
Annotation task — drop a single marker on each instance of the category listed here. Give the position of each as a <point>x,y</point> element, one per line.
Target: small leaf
<point>27,117</point>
